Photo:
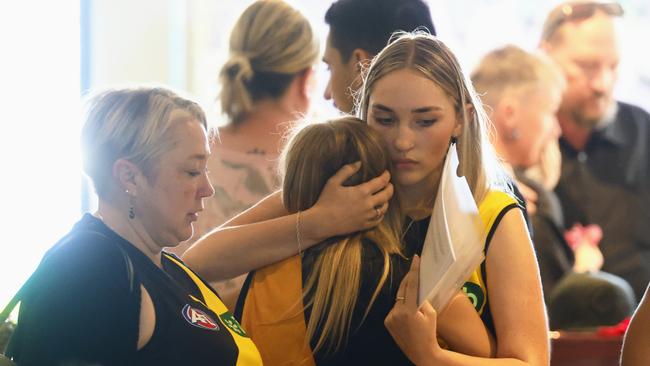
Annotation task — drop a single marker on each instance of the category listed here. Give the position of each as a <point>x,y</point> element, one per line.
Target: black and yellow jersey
<point>272,310</point>
<point>83,307</point>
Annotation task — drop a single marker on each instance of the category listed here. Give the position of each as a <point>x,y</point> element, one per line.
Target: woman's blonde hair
<point>429,57</point>
<point>270,44</point>
<point>332,286</point>
<point>135,124</point>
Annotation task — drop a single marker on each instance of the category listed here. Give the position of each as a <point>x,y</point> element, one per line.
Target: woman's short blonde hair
<point>429,57</point>
<point>133,124</point>
<point>270,44</point>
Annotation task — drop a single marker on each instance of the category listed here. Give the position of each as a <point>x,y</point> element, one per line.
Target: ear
<point>305,81</point>
<point>458,128</point>
<point>126,175</point>
<point>504,114</point>
<point>358,58</point>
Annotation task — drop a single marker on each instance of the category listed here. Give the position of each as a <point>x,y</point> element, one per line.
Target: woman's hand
<point>413,329</point>
<point>342,210</point>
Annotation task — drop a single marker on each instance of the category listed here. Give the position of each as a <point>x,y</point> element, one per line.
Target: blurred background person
<point>107,293</point>
<point>358,30</point>
<point>605,143</point>
<point>523,91</point>
<point>265,86</point>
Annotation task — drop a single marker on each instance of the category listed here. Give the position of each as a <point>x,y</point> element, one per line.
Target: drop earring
<point>131,209</point>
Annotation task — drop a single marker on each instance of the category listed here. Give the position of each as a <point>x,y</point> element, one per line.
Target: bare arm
<point>515,300</point>
<point>636,346</point>
<point>266,233</point>
<point>460,326</point>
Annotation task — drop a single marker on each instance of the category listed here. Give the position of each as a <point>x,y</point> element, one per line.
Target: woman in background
<point>106,293</point>
<point>265,86</point>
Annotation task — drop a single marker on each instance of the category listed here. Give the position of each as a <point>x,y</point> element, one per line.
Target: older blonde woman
<point>106,293</point>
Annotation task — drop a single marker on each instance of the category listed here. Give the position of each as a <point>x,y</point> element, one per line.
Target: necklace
<point>407,228</point>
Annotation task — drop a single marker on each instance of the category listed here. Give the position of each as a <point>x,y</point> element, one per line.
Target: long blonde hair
<point>431,58</point>
<point>269,45</point>
<point>311,157</point>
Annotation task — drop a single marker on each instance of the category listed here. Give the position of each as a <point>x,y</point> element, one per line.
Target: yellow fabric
<point>489,209</point>
<point>279,333</point>
<point>248,353</point>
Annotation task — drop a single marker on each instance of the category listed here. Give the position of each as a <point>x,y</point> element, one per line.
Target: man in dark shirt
<point>605,143</point>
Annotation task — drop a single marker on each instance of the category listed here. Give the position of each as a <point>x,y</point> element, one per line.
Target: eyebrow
<point>198,157</point>
<point>415,110</point>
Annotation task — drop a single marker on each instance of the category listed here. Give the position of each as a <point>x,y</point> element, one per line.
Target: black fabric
<point>609,184</point>
<point>84,307</point>
<point>554,256</point>
<point>369,342</point>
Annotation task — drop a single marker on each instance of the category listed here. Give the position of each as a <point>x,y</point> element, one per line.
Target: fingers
<point>428,310</point>
<point>413,283</point>
<point>344,173</point>
<point>401,290</point>
<point>383,196</point>
<point>376,184</point>
<point>407,293</point>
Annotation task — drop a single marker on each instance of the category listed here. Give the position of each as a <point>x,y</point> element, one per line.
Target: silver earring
<point>131,209</point>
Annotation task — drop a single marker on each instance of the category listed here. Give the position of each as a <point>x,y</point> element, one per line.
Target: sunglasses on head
<point>578,11</point>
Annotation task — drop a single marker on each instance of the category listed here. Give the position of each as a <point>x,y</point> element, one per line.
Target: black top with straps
<point>84,307</point>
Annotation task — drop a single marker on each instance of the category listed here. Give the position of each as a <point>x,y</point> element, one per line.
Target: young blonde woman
<point>327,305</point>
<point>265,85</point>
<point>418,99</point>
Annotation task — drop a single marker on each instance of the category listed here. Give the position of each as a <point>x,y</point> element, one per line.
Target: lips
<point>404,163</point>
<point>193,216</point>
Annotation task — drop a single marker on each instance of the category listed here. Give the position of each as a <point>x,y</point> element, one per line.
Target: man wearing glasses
<point>605,143</point>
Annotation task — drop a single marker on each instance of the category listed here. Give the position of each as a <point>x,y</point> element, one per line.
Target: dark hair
<point>368,24</point>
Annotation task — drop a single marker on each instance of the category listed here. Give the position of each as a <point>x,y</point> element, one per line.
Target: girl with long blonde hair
<point>416,97</point>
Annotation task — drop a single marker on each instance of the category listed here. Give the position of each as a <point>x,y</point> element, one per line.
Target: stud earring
<point>514,134</point>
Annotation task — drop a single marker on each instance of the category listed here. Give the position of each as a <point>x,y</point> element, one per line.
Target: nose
<point>328,90</point>
<point>404,140</point>
<point>206,189</point>
<point>603,81</point>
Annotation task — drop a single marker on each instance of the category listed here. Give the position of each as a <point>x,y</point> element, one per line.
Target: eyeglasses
<point>577,11</point>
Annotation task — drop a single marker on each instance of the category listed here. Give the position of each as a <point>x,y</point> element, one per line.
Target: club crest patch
<point>199,318</point>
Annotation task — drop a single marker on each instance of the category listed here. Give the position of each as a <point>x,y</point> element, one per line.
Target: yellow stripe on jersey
<point>248,353</point>
<point>489,209</point>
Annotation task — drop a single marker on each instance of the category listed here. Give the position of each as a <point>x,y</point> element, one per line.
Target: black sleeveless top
<point>84,307</point>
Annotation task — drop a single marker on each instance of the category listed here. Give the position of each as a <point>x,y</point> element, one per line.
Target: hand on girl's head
<point>354,208</point>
